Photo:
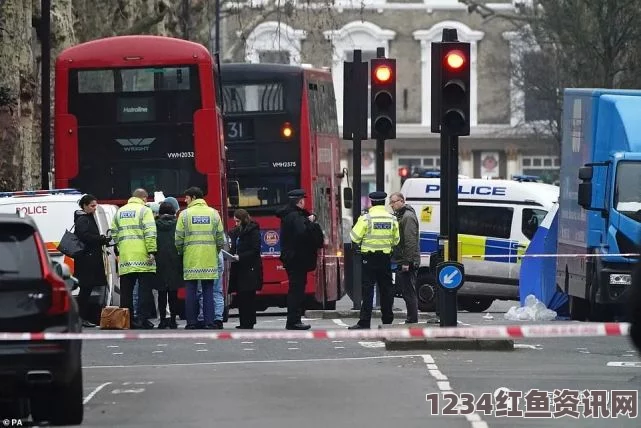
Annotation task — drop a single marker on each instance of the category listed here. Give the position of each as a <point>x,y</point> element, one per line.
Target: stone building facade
<point>503,141</point>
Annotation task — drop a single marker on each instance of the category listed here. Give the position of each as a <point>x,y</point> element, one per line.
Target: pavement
<point>343,383</point>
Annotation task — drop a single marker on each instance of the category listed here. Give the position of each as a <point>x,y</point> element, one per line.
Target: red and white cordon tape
<point>472,332</point>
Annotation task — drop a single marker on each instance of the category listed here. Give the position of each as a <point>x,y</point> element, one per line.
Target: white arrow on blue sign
<point>450,276</point>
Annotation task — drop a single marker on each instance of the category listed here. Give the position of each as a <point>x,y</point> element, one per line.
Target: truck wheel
<point>475,304</point>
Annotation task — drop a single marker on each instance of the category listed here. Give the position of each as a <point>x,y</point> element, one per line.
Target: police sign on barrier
<point>450,275</point>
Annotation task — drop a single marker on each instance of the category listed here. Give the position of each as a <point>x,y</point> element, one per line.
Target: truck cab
<point>600,204</point>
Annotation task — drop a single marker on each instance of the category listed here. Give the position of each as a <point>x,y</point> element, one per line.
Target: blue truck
<point>600,200</point>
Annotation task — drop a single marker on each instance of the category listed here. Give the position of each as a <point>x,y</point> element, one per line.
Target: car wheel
<point>63,406</point>
<point>476,304</point>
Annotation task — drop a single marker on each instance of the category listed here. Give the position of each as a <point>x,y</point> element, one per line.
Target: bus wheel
<point>475,304</point>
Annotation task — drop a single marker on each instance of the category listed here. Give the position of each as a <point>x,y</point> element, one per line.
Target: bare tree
<point>571,43</point>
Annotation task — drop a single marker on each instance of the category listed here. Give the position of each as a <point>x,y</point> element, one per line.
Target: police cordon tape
<point>472,332</point>
<point>523,256</point>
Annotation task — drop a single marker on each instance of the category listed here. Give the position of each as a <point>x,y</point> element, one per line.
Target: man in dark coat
<point>300,239</point>
<point>406,254</point>
<point>246,272</point>
<point>89,268</point>
<point>169,270</point>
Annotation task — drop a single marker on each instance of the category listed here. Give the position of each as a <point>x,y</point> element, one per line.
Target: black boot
<point>172,323</point>
<point>163,324</point>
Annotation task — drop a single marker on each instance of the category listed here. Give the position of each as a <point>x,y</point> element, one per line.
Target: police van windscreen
<point>135,129</point>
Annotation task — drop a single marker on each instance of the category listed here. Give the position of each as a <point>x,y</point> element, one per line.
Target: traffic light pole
<point>380,165</point>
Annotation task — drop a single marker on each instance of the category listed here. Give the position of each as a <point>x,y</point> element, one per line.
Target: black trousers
<point>247,308</point>
<point>295,295</point>
<point>163,296</point>
<point>145,284</point>
<point>407,281</point>
<point>83,301</point>
<point>377,270</point>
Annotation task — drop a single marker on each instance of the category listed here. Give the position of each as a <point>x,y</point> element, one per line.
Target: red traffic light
<point>455,59</point>
<point>383,73</point>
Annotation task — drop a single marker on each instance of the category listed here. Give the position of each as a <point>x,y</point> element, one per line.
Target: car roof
<point>17,219</point>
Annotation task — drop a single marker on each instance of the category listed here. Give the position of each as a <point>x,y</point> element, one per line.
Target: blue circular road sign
<point>450,276</point>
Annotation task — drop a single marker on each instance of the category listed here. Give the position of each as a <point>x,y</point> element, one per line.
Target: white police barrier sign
<point>450,275</point>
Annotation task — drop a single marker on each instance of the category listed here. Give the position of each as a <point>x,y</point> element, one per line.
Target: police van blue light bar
<point>526,178</point>
<point>28,193</point>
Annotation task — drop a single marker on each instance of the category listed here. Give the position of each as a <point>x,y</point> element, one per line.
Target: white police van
<point>497,220</point>
<point>53,212</point>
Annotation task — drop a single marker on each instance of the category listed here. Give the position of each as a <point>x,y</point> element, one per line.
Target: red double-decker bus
<point>281,133</point>
<point>139,111</point>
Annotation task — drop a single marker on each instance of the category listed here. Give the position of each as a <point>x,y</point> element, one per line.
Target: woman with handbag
<point>89,266</point>
<point>246,274</point>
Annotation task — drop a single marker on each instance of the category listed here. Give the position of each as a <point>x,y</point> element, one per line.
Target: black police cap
<point>296,194</point>
<point>377,196</point>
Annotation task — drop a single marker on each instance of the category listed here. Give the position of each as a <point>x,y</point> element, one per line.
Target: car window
<point>532,218</point>
<point>18,252</point>
<point>494,222</point>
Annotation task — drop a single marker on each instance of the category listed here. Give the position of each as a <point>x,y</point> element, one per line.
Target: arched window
<point>274,42</point>
<point>434,34</point>
<point>355,35</point>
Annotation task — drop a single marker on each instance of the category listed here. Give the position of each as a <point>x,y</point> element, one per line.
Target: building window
<point>426,162</point>
<point>545,167</point>
<point>274,41</point>
<point>434,34</point>
<point>356,35</point>
<point>274,57</point>
<point>529,100</point>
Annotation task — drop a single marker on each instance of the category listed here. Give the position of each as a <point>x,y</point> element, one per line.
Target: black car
<point>41,378</point>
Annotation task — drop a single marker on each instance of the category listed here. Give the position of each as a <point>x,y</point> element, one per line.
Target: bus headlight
<point>620,279</point>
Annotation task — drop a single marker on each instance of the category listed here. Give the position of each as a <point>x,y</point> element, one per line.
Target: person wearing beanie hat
<point>174,202</point>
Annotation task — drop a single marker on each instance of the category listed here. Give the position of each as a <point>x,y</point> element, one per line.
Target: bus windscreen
<point>135,129</point>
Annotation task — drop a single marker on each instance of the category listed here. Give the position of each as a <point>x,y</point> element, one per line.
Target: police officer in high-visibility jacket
<point>134,232</point>
<point>199,237</point>
<point>376,232</point>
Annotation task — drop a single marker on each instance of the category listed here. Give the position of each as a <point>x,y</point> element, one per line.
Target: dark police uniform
<point>376,232</point>
<point>300,240</point>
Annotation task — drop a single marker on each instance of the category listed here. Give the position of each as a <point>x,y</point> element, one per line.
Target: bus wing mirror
<point>233,193</point>
<point>348,196</point>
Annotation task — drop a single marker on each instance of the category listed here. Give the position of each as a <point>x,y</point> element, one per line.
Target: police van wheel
<point>475,304</point>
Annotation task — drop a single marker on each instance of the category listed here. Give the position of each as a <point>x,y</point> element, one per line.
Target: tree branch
<point>269,9</point>
<point>147,22</point>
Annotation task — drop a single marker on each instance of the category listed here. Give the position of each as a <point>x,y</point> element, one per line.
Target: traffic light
<point>383,98</point>
<point>452,76</point>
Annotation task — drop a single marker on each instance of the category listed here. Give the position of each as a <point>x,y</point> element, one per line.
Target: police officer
<point>199,238</point>
<point>377,234</point>
<point>300,239</point>
<point>134,232</point>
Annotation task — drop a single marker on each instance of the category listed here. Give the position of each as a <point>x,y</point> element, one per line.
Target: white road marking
<point>246,343</point>
<point>527,346</point>
<point>201,350</point>
<point>113,346</point>
<point>117,353</point>
<point>443,384</point>
<point>221,363</point>
<point>375,344</point>
<point>292,341</point>
<point>248,349</point>
<point>128,391</point>
<point>462,323</point>
<point>293,349</point>
<point>633,364</point>
<point>157,352</point>
<point>337,341</point>
<point>339,323</point>
<point>161,344</point>
<point>339,347</point>
<point>200,343</point>
<point>93,393</point>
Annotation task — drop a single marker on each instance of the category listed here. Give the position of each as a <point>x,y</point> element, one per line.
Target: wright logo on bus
<point>473,247</point>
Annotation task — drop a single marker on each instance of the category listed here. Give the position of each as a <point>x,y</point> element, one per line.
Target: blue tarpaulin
<point>538,274</point>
